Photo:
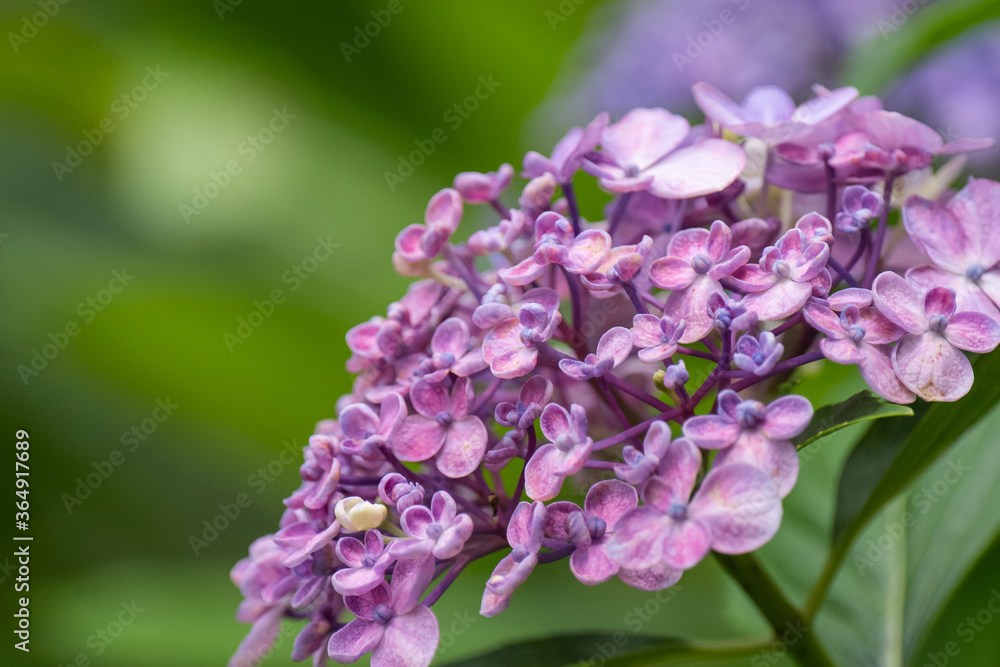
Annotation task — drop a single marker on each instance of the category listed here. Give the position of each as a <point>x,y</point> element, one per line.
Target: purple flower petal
<point>354,640</point>
<point>409,640</point>
<point>463,448</point>
<point>929,366</point>
<point>703,168</point>
<point>974,332</point>
<point>615,343</point>
<point>609,500</point>
<point>418,439</point>
<point>741,506</point>
<point>541,479</point>
<point>900,301</point>
<point>777,458</point>
<point>591,566</point>
<point>787,417</point>
<point>409,580</point>
<point>655,578</point>
<point>711,431</point>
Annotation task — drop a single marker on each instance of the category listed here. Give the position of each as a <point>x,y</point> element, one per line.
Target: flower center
<point>938,323</point>
<point>750,413</point>
<point>975,272</point>
<point>382,614</point>
<point>782,269</point>
<point>856,332</point>
<point>596,526</point>
<point>565,443</point>
<point>758,358</point>
<point>678,511</point>
<point>444,419</point>
<point>701,264</point>
<point>434,531</point>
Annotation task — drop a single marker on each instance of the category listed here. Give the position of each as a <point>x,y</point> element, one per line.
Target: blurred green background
<point>227,75</point>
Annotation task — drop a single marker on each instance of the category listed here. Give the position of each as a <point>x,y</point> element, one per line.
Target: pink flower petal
<point>615,343</point>
<point>691,304</point>
<point>591,566</point>
<point>672,273</point>
<point>429,399</point>
<point>679,468</point>
<point>841,351</point>
<point>717,105</point>
<point>741,506</point>
<point>974,332</point>
<point>514,364</point>
<point>643,136</point>
<point>410,579</point>
<point>409,640</point>
<point>703,168</point>
<point>523,273</point>
<point>787,417</point>
<point>452,337</point>
<point>463,448</point>
<point>418,439</point>
<point>876,369</point>
<point>778,458</point>
<point>414,520</point>
<point>655,578</point>
<point>688,244</point>
<point>354,640</point>
<point>587,251</point>
<point>969,295</point>
<point>937,233</point>
<point>541,481</point>
<point>711,431</point>
<point>782,300</point>
<point>900,301</point>
<point>554,421</point>
<point>939,301</point>
<point>930,367</point>
<point>609,500</point>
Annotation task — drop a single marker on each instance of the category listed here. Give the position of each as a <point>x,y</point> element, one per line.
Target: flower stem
<point>775,607</point>
<point>883,229</point>
<point>574,210</point>
<point>633,296</point>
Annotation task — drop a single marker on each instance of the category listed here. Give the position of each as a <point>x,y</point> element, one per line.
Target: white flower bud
<point>356,515</point>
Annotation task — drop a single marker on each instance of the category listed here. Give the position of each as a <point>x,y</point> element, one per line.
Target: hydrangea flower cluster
<point>630,362</point>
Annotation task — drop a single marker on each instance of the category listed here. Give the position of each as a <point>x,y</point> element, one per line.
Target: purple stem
<point>463,272</point>
<point>788,324</point>
<point>574,297</point>
<point>641,427</point>
<point>574,210</point>
<point>635,392</point>
<point>559,554</point>
<point>784,366</point>
<point>697,353</point>
<point>600,465</point>
<point>487,395</point>
<point>618,212</point>
<point>500,208</point>
<point>883,229</point>
<point>653,301</point>
<point>612,402</point>
<point>515,497</point>
<point>633,295</point>
<point>426,481</point>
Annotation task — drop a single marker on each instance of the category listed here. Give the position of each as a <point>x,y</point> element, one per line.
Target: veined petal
<point>931,367</point>
<point>592,566</point>
<point>782,300</point>
<point>409,640</point>
<point>740,505</point>
<point>418,439</point>
<point>778,458</point>
<point>787,417</point>
<point>900,301</point>
<point>974,332</point>
<point>655,578</point>
<point>876,369</point>
<point>711,431</point>
<point>609,500</point>
<point>937,233</point>
<point>354,640</point>
<point>463,448</point>
<point>541,479</point>
<point>703,168</point>
<point>524,272</point>
<point>672,273</point>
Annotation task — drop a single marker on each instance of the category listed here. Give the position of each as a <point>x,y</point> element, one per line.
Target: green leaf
<point>902,44</point>
<point>894,453</point>
<point>861,407</point>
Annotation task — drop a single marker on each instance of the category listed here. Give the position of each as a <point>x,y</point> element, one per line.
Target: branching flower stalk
<point>632,361</point>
